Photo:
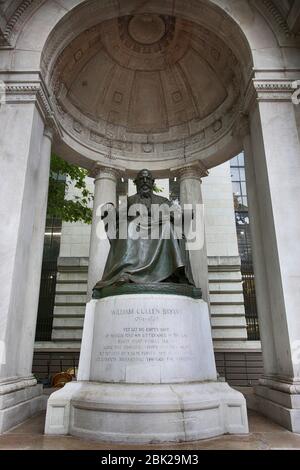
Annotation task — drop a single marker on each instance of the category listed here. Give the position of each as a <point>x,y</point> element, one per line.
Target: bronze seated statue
<point>146,260</point>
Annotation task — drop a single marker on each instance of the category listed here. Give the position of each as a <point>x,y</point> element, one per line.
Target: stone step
<point>73,298</point>
<point>227,309</point>
<point>225,276</point>
<point>58,345</point>
<point>72,276</point>
<point>228,322</point>
<point>69,310</point>
<point>225,287</point>
<point>68,315</point>
<point>67,322</point>
<point>237,334</point>
<point>227,298</point>
<point>64,334</point>
<point>71,287</point>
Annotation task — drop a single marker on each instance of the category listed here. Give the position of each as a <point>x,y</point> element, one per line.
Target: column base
<point>20,398</point>
<point>146,413</point>
<point>279,401</point>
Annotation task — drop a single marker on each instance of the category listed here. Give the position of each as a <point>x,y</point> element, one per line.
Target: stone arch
<point>246,18</point>
<point>237,26</point>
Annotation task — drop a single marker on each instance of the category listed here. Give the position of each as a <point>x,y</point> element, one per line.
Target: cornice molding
<point>11,29</point>
<point>274,90</point>
<point>277,22</point>
<point>277,17</point>
<point>32,92</point>
<point>268,90</point>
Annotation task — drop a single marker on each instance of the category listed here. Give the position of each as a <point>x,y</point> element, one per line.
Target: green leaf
<point>62,176</point>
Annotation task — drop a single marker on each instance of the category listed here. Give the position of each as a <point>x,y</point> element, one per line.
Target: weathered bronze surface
<point>146,261</point>
<point>164,288</point>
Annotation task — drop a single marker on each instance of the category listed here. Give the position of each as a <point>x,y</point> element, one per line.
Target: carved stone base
<point>20,398</point>
<point>137,413</point>
<point>146,374</point>
<point>280,401</point>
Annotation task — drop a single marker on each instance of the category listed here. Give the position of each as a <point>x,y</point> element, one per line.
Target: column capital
<point>270,90</point>
<point>98,172</point>
<point>193,171</point>
<point>33,91</point>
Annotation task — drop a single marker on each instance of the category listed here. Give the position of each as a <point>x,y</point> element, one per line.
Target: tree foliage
<point>63,175</point>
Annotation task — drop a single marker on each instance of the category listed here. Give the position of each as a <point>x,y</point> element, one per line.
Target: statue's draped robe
<point>147,260</point>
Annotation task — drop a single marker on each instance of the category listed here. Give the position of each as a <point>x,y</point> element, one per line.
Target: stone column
<point>24,173</point>
<point>190,193</point>
<point>105,192</point>
<point>31,300</point>
<point>273,174</point>
<point>259,261</point>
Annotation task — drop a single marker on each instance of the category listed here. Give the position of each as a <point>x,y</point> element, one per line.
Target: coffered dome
<point>147,86</point>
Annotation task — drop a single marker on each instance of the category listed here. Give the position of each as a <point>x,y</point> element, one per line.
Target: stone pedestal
<point>147,373</point>
<point>280,401</point>
<point>20,398</point>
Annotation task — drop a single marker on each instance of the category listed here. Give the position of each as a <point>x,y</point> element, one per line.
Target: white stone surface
<point>24,169</point>
<point>21,164</point>
<point>20,398</point>
<point>105,192</point>
<point>220,229</point>
<point>280,406</point>
<point>191,193</point>
<point>273,174</point>
<point>85,361</point>
<point>156,378</point>
<point>139,413</point>
<point>75,239</point>
<point>147,339</point>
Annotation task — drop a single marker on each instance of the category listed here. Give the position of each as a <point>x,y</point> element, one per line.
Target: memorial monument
<point>147,371</point>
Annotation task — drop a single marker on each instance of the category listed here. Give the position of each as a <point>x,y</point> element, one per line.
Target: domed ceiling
<point>147,86</point>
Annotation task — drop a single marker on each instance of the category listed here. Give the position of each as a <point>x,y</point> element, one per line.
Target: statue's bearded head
<point>144,183</point>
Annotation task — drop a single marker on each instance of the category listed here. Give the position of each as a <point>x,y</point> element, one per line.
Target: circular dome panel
<point>146,29</point>
<point>147,87</point>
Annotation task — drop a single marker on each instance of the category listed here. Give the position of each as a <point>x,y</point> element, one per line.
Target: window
<point>242,220</point>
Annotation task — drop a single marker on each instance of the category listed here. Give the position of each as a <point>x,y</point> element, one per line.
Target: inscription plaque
<point>158,343</point>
